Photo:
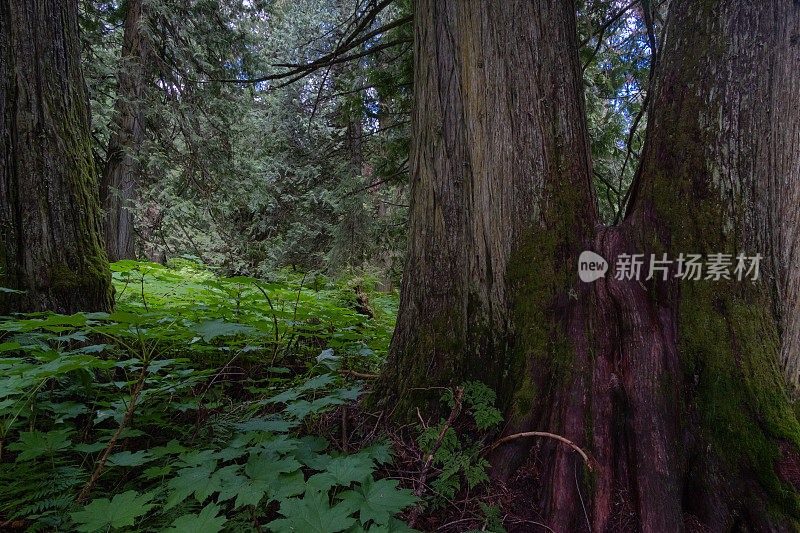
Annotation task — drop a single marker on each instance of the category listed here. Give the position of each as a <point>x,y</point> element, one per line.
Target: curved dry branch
<point>565,440</point>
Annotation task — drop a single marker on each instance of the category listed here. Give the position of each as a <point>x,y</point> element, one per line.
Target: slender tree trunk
<point>52,245</point>
<point>674,386</point>
<point>350,239</point>
<point>382,257</point>
<point>118,185</point>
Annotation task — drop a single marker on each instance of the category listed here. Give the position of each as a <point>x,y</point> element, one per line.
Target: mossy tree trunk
<point>679,389</point>
<point>496,129</point>
<point>118,183</point>
<point>52,245</point>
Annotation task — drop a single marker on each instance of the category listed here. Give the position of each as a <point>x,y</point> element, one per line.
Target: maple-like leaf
<point>120,511</point>
<point>312,514</point>
<point>378,500</point>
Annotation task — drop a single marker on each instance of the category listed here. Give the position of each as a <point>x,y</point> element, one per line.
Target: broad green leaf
<point>126,265</point>
<point>306,453</point>
<point>207,521</point>
<point>281,444</point>
<point>196,479</point>
<point>312,514</point>
<point>321,482</point>
<point>210,329</point>
<point>230,453</point>
<point>288,485</point>
<point>124,317</point>
<point>349,394</point>
<point>170,448</point>
<point>120,511</point>
<point>378,500</point>
<point>90,448</point>
<point>299,409</point>
<point>198,457</point>
<point>320,404</point>
<point>265,477</point>
<point>127,458</point>
<point>317,383</point>
<point>32,444</point>
<point>157,471</point>
<point>284,397</point>
<point>250,493</point>
<point>380,453</point>
<point>348,468</point>
<point>10,346</point>
<point>260,467</point>
<point>231,483</point>
<point>328,360</point>
<point>68,409</point>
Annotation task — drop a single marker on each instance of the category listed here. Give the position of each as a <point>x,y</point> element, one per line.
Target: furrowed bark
<point>499,152</point>
<point>721,174</point>
<point>52,245</point>
<point>679,395</point>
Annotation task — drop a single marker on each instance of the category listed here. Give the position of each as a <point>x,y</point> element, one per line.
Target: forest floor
<point>207,403</point>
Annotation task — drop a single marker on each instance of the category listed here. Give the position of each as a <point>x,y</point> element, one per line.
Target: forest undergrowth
<point>206,403</point>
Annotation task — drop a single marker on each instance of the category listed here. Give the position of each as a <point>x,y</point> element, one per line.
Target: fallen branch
<point>420,490</point>
<point>137,389</point>
<point>358,374</point>
<point>548,435</point>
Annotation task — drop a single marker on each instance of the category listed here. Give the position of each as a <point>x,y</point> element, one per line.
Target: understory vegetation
<point>205,403</point>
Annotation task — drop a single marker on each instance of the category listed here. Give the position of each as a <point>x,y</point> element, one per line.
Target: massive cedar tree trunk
<point>118,184</point>
<point>499,154</point>
<point>674,387</point>
<point>52,245</point>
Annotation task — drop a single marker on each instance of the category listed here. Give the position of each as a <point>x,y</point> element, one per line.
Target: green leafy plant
<point>458,454</point>
<point>191,407</point>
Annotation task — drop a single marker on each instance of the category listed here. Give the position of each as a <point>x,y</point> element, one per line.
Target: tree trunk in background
<point>118,184</point>
<point>52,244</point>
<point>674,387</point>
<point>350,235</point>
<point>382,256</point>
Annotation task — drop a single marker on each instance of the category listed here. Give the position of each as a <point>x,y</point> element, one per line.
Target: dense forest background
<point>300,166</point>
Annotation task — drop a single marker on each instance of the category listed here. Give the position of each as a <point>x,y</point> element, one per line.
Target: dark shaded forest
<point>390,265</point>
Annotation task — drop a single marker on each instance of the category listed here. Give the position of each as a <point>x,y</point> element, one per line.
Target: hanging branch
<point>607,23</point>
<point>300,70</point>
